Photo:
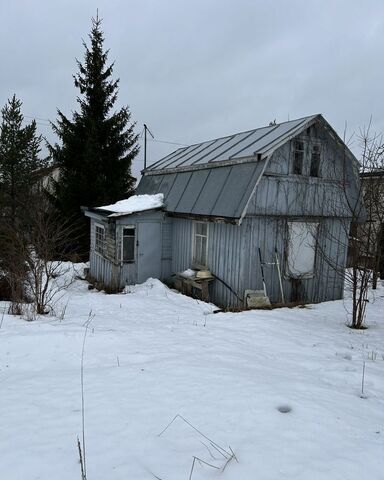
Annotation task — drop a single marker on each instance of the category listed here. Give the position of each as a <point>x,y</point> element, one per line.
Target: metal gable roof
<point>217,192</point>
<point>217,178</point>
<point>255,142</point>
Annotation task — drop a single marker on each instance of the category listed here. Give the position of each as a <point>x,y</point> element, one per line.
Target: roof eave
<point>92,211</point>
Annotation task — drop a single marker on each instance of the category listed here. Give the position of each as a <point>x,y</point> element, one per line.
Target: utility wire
<point>140,135</point>
<point>37,118</point>
<point>165,141</point>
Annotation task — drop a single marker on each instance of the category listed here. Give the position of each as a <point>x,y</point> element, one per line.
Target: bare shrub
<point>363,229</point>
<point>33,253</point>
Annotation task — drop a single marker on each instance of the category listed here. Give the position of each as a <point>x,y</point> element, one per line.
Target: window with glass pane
<point>99,239</point>
<point>315,161</point>
<point>200,243</point>
<point>128,244</point>
<point>298,157</point>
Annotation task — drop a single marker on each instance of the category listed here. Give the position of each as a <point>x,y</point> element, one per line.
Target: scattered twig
<point>362,381</point>
<point>214,445</point>
<point>209,451</point>
<point>233,456</point>
<point>81,459</point>
<point>200,461</point>
<point>91,316</point>
<point>63,312</point>
<point>2,319</point>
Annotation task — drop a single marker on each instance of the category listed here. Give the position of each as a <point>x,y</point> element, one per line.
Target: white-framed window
<point>128,244</point>
<point>301,251</point>
<point>99,238</point>
<point>200,244</point>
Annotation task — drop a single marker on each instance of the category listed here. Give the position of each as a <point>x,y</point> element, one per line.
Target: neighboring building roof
<point>373,174</point>
<point>136,203</point>
<point>258,142</point>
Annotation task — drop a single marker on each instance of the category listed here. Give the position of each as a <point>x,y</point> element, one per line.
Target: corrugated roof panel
<point>164,160</point>
<point>255,136</point>
<point>257,172</point>
<point>221,149</point>
<point>202,155</point>
<point>149,184</point>
<point>167,183</point>
<point>221,191</point>
<point>197,153</point>
<point>231,147</point>
<point>185,154</point>
<point>192,191</point>
<point>266,141</point>
<point>176,191</point>
<point>231,199</point>
<point>212,189</point>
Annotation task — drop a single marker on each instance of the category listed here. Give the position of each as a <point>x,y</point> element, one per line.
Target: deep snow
<point>151,354</point>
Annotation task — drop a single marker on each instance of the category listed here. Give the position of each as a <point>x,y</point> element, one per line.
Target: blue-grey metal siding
<point>108,269</point>
<point>233,256</point>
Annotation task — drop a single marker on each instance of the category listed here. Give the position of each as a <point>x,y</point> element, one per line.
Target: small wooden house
<point>273,197</point>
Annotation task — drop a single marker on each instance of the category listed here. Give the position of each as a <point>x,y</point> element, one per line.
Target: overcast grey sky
<point>195,70</point>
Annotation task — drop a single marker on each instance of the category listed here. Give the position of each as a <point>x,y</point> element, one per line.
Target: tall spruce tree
<point>97,145</point>
<point>19,160</point>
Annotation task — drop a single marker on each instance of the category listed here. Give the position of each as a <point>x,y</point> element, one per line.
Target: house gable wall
<point>282,193</point>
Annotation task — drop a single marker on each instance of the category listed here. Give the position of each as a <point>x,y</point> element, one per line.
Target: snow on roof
<point>136,203</point>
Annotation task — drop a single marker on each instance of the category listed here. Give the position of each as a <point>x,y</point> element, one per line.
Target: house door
<point>148,251</point>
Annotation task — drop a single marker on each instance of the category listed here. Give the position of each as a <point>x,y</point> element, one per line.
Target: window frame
<point>296,151</point>
<point>318,145</point>
<point>100,251</point>
<point>131,227</point>
<point>316,229</point>
<point>195,262</point>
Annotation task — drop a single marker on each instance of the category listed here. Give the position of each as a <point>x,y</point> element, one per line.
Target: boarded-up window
<point>200,243</point>
<point>301,249</point>
<point>315,161</point>
<point>298,157</point>
<point>99,239</point>
<point>128,252</point>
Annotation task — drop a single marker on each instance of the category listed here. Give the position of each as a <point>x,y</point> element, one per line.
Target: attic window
<point>298,157</point>
<point>99,239</point>
<point>200,244</point>
<point>315,160</point>
<point>128,244</point>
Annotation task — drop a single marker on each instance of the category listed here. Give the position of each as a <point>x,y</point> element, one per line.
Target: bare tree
<point>364,204</point>
<point>34,250</point>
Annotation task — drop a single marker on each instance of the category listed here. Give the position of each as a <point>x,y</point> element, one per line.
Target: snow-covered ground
<point>151,354</point>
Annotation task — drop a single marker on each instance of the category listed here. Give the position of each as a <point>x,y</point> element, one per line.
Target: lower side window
<point>200,244</point>
<point>99,238</point>
<point>128,250</point>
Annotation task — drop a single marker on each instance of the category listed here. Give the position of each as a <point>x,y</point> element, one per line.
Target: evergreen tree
<point>97,145</point>
<point>19,161</point>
